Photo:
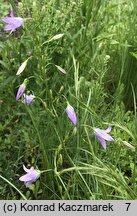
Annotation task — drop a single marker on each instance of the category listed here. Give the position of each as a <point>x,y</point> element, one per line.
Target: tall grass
<point>96,52</point>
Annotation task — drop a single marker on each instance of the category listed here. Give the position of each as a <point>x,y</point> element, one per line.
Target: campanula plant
<point>90,50</point>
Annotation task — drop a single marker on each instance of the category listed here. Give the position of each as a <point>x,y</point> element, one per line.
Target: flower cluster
<point>28,99</point>
<point>14,23</point>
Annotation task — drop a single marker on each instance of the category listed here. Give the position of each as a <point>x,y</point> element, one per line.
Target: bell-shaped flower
<point>103,136</point>
<point>21,89</point>
<point>12,22</point>
<point>31,176</point>
<point>71,114</point>
<point>28,99</point>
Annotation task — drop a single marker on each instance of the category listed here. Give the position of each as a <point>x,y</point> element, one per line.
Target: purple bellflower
<point>21,89</point>
<point>71,114</point>
<point>102,136</point>
<point>12,22</point>
<point>31,176</point>
<point>28,99</point>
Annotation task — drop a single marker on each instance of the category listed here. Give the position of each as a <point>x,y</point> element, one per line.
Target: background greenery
<point>98,51</point>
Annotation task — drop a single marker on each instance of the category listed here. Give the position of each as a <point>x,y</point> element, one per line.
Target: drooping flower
<point>102,136</point>
<point>12,22</point>
<point>71,114</point>
<point>28,99</point>
<point>31,176</point>
<point>21,89</point>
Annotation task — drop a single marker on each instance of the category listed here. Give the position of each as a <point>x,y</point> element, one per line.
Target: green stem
<point>72,169</point>
<point>90,145</point>
<point>43,171</point>
<point>45,158</point>
<point>13,187</point>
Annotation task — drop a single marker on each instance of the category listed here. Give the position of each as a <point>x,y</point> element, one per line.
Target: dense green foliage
<point>97,49</point>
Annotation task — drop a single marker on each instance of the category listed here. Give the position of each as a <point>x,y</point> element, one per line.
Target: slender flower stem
<point>45,158</point>
<point>44,171</point>
<point>90,145</point>
<point>45,105</point>
<point>72,169</point>
<point>13,187</point>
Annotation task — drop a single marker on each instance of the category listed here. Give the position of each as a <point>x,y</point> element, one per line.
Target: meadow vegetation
<point>81,52</point>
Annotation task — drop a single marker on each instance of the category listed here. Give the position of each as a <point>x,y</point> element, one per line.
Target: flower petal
<point>28,183</point>
<point>108,129</point>
<point>9,27</point>
<point>8,20</point>
<point>27,177</point>
<point>103,142</point>
<point>102,134</point>
<point>17,21</point>
<point>27,170</point>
